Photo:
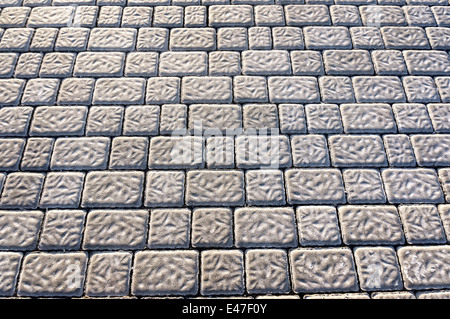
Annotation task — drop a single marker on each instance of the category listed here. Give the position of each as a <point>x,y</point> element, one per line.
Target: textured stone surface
<point>169,228</point>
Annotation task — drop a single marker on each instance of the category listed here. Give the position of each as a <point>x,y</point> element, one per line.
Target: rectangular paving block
<point>324,37</point>
<point>62,190</point>
<point>323,118</point>
<point>234,15</point>
<point>113,189</point>
<point>271,194</point>
<point>265,227</point>
<point>164,189</point>
<point>9,270</point>
<point>368,118</point>
<point>128,153</point>
<point>380,89</point>
<point>162,90</point>
<point>303,15</point>
<point>399,150</point>
<point>260,118</point>
<point>264,62</point>
<point>11,150</point>
<point>363,186</point>
<point>309,151</point>
<point>14,121</point>
<point>99,64</point>
<point>167,152</point>
<point>19,229</point>
<point>210,119</point>
<point>112,39</point>
<point>37,153</point>
<point>50,16</point>
<point>119,91</point>
<point>115,229</point>
<point>420,62</point>
<point>294,89</point>
<point>183,63</point>
<point>206,90</point>
<point>11,91</point>
<point>21,190</point>
<point>212,227</point>
<point>403,38</point>
<point>432,150</point>
<point>52,274</point>
<point>347,62</point>
<point>192,39</point>
<point>55,120</point>
<point>357,150</point>
<point>215,188</point>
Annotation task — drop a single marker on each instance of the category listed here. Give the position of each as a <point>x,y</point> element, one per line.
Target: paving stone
<point>357,151</point>
<point>57,65</point>
<point>287,38</point>
<point>443,86</point>
<point>128,153</point>
<point>37,153</point>
<point>422,224</point>
<point>263,151</point>
<point>40,92</point>
<point>318,226</point>
<point>412,118</point>
<point>309,151</point>
<point>378,268</point>
<point>19,229</point>
<point>21,190</point>
<point>338,296</point>
<point>269,15</point>
<point>108,274</point>
<point>206,90</point>
<point>153,39</point>
<point>417,15</point>
<point>363,186</point>
<point>16,39</point>
<point>165,273</point>
<point>50,16</point>
<point>322,270</point>
<point>76,91</point>
<point>366,38</point>
<point>262,62</point>
<point>141,120</point>
<point>424,267</point>
<point>403,38</point>
<point>104,120</point>
<point>444,294</point>
<point>266,271</point>
<point>14,17</point>
<point>427,62</point>
<point>52,274</point>
<point>336,89</point>
<point>161,90</point>
<point>109,16</point>
<point>11,91</point>
<point>28,65</point>
<point>62,230</point>
<point>235,15</point>
<point>220,152</point>
<point>444,177</point>
<point>323,38</point>
<point>224,63</point>
<point>198,39</point>
<point>73,39</point>
<point>136,17</point>
<point>183,63</point>
<point>444,212</point>
<point>368,118</point>
<point>232,39</point>
<point>370,225</point>
<point>222,272</point>
<point>323,118</point>
<point>306,62</point>
<point>62,190</point>
<point>83,153</point>
<point>214,188</point>
<point>347,62</point>
<point>164,189</point>
<point>393,295</point>
<point>302,15</point>
<point>119,91</point>
<point>10,153</point>
<point>385,89</point>
<point>292,118</point>
<point>439,117</point>
<point>115,229</point>
<point>14,120</point>
<point>314,186</point>
<point>10,267</point>
<point>112,39</point>
<point>250,89</point>
<point>399,150</point>
<point>99,64</point>
<point>259,38</point>
<point>173,119</point>
<point>8,62</point>
<point>294,89</point>
<point>260,117</point>
<point>113,189</point>
<point>195,16</point>
<point>432,150</point>
<point>169,228</point>
<point>168,152</point>
<point>345,15</point>
<point>212,227</point>
<point>441,15</point>
<point>55,120</point>
<point>413,186</point>
<point>439,38</point>
<point>265,187</point>
<point>382,16</point>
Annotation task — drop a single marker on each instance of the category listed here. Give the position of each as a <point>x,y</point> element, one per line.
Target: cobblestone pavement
<point>202,148</point>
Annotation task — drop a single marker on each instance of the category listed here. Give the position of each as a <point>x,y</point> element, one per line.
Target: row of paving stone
<point>221,272</point>
<point>236,15</point>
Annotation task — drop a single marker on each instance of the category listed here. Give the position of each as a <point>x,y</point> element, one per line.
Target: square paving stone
<point>220,152</point>
<point>412,118</point>
<point>62,190</point>
<point>439,114</point>
<point>260,117</point>
<point>104,121</point>
<point>309,151</point>
<point>432,150</point>
<point>10,153</point>
<point>9,272</point>
<point>14,121</point>
<point>306,62</point>
<point>363,186</point>
<point>141,120</point>
<point>323,118</point>
<point>173,119</point>
<point>292,118</point>
<point>37,153</point>
<point>19,229</point>
<point>164,189</point>
<point>167,152</point>
<point>22,190</point>
<point>265,187</point>
<point>212,227</point>
<point>336,89</point>
<point>169,228</point>
<point>368,118</point>
<point>318,226</point>
<point>224,63</point>
<point>128,153</point>
<point>399,150</point>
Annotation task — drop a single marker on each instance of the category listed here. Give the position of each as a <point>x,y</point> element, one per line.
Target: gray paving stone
<point>168,152</point>
<point>108,274</point>
<point>119,91</point>
<point>57,64</point>
<point>222,272</point>
<point>206,90</point>
<point>16,39</point>
<point>427,62</point>
<point>393,295</point>
<point>11,151</point>
<point>232,39</point>
<point>260,117</point>
<point>161,90</point>
<point>83,153</point>
<point>104,121</point>
<point>363,186</point>
<point>10,267</point>
<point>366,38</point>
<point>399,150</point>
<point>443,294</point>
<point>183,63</point>
<point>302,15</point>
<point>287,38</point>
<point>432,150</point>
<point>438,38</point>
<point>323,38</point>
<point>128,153</point>
<point>135,17</point>
<point>11,91</point>
<point>115,229</point>
<point>52,274</point>
<point>141,120</point>
<point>50,16</point>
<point>382,16</point>
<point>441,15</point>
<point>212,227</point>
<point>263,151</point>
<point>417,15</point>
<point>413,186</point>
<point>55,120</point>
<point>109,16</point>
<point>112,39</point>
<point>113,189</point>
<point>370,225</point>
<point>99,64</point>
<point>173,119</point>
<point>266,271</point>
<point>412,118</point>
<point>402,38</point>
<point>439,117</point>
<point>40,92</point>
<point>336,89</point>
<point>314,186</point>
<point>306,62</point>
<point>378,269</point>
<point>347,62</point>
<point>19,229</point>
<point>338,296</point>
<point>269,15</point>
<point>323,118</point>
<point>368,118</point>
<point>195,16</point>
<point>28,65</point>
<point>422,224</point>
<point>265,187</point>
<point>263,62</point>
<point>62,230</point>
<point>424,267</point>
<point>318,226</point>
<point>443,86</point>
<point>309,151</point>
<point>153,39</point>
<point>169,228</point>
<point>198,39</point>
<point>73,39</point>
<point>21,190</point>
<point>164,189</point>
<point>62,190</point>
<point>8,62</point>
<point>444,212</point>
<point>292,118</point>
<point>214,188</point>
<point>235,15</point>
<point>165,273</point>
<point>14,17</point>
<point>345,15</point>
<point>220,152</point>
<point>294,89</point>
<point>14,120</point>
<point>37,153</point>
<point>76,91</point>
<point>386,89</point>
<point>444,177</point>
<point>322,270</point>
<point>224,63</point>
<point>259,38</point>
<point>250,89</point>
<point>357,151</point>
